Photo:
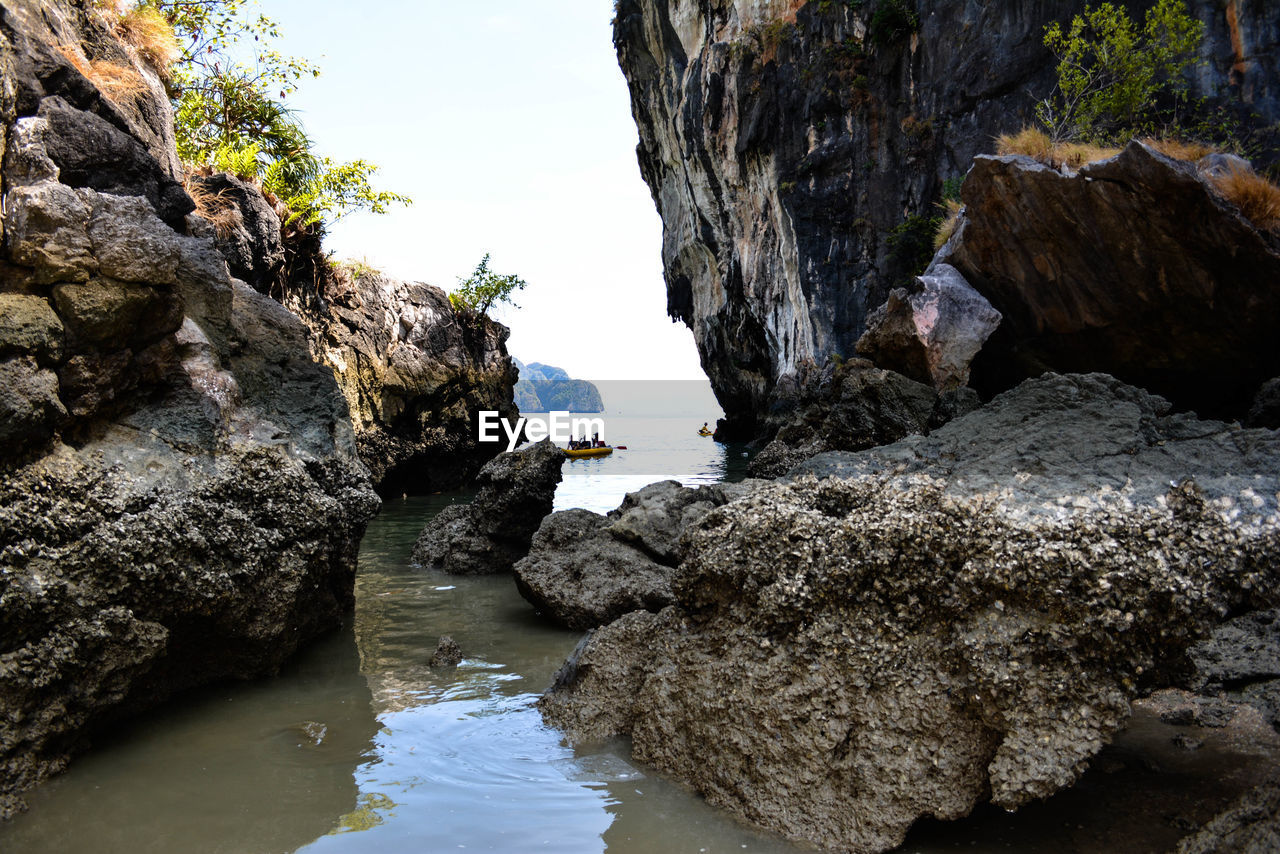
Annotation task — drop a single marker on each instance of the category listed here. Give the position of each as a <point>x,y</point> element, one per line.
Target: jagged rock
<point>931,333</point>
<point>251,242</point>
<point>1250,826</point>
<point>851,407</point>
<point>447,654</point>
<point>1265,411</point>
<point>516,491</point>
<point>941,621</point>
<point>180,497</point>
<point>790,146</point>
<point>415,374</point>
<point>585,570</point>
<point>1135,266</point>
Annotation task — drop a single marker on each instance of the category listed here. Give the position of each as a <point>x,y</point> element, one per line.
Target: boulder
<point>915,629</point>
<point>932,333</point>
<point>487,536</point>
<point>447,654</point>
<point>30,326</point>
<point>1135,265</point>
<point>585,570</point>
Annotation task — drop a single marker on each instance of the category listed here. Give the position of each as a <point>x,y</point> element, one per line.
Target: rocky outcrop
<point>487,536</point>
<point>416,375</point>
<point>796,152</point>
<point>850,407</point>
<point>946,620</point>
<point>180,497</point>
<point>546,388</point>
<point>585,570</point>
<point>1101,269</point>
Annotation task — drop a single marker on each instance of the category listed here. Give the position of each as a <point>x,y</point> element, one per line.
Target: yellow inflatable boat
<point>590,452</point>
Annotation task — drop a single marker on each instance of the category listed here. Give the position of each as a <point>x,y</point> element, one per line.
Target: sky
<point>509,125</point>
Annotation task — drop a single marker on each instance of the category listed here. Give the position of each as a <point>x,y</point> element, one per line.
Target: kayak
<point>590,452</point>
<point>705,433</point>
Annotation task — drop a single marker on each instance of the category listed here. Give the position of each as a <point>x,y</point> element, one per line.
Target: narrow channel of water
<point>361,748</point>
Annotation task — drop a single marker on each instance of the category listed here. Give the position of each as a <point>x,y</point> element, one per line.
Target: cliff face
<point>791,147</point>
<point>180,496</point>
<point>414,372</point>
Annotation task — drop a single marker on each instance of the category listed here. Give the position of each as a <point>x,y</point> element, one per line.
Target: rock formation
<point>180,497</point>
<point>585,570</point>
<point>1098,270</point>
<point>851,407</point>
<point>796,151</point>
<point>940,621</point>
<point>932,332</point>
<point>545,388</point>
<point>487,536</point>
<point>415,373</point>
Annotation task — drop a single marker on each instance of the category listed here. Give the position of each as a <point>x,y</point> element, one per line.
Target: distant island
<point>545,388</point>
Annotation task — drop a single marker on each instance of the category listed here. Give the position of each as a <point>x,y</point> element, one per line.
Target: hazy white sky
<point>509,124</point>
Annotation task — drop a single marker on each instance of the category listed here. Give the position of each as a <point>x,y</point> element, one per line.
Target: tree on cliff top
<point>1112,74</point>
<point>230,91</point>
<point>485,289</point>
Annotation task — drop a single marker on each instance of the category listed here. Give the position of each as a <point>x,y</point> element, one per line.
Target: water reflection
<point>263,767</point>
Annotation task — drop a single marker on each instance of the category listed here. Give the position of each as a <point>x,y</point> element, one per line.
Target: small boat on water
<point>705,433</point>
<point>589,452</point>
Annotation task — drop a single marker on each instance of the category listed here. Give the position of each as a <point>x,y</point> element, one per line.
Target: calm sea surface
<point>360,747</point>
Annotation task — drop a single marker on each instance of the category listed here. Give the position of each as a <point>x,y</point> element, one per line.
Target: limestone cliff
<point>414,372</point>
<point>180,495</point>
<point>786,142</point>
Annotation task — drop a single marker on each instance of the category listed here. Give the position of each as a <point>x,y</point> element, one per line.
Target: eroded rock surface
<point>941,621</point>
<point>487,536</point>
<point>180,496</point>
<point>415,372</point>
<point>585,570</point>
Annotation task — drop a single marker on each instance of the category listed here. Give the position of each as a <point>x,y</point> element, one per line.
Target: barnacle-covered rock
<point>947,620</point>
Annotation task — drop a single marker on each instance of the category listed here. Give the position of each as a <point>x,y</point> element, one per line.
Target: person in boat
<point>704,428</point>
<point>595,441</point>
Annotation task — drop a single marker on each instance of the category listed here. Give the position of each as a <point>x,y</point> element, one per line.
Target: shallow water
<point>360,747</point>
